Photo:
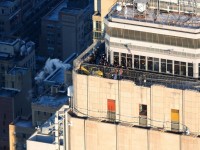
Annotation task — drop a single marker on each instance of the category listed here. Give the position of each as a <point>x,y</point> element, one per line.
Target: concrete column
<point>195,70</point>
<point>146,62</point>
<point>132,60</point>
<point>186,69</point>
<point>172,66</point>
<point>119,59</point>
<point>159,65</point>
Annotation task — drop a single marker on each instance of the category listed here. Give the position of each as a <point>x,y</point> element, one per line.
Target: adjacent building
<point>15,52</point>
<point>67,29</point>
<point>101,9</point>
<point>19,131</point>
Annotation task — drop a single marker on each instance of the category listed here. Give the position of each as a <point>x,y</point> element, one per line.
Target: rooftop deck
<point>86,65</point>
<point>163,17</point>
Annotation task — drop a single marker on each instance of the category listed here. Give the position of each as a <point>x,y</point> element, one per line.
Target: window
<point>176,67</point>
<point>183,68</point>
<point>116,58</point>
<point>174,119</point>
<point>136,61</point>
<point>190,69</point>
<point>45,113</point>
<point>150,63</point>
<point>4,116</point>
<point>111,109</point>
<point>13,84</point>
<point>143,110</point>
<point>169,66</point>
<point>123,59</point>
<point>156,64</point>
<point>129,60</point>
<point>143,115</point>
<point>142,62</point>
<point>38,113</point>
<point>163,65</point>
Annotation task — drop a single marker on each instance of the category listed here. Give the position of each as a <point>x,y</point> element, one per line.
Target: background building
<point>15,52</point>
<point>19,130</point>
<point>67,29</point>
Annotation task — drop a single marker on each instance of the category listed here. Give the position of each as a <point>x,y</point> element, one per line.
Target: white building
<point>158,36</point>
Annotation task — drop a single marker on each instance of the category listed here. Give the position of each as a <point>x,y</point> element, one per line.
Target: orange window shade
<point>111,105</point>
<point>175,115</point>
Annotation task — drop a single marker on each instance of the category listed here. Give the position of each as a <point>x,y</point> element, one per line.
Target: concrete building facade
<point>20,130</point>
<point>101,9</point>
<point>121,113</point>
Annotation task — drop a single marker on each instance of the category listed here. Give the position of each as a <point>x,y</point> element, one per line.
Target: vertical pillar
<point>159,64</point>
<point>172,66</point>
<point>146,62</point>
<point>195,70</point>
<point>132,60</point>
<point>119,59</point>
<point>186,69</point>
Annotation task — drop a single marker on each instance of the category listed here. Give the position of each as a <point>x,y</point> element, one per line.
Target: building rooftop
<point>78,4</point>
<point>23,123</point>
<point>92,62</point>
<point>46,132</point>
<point>151,15</point>
<point>6,4</point>
<point>52,101</point>
<point>54,14</point>
<point>18,70</point>
<point>8,92</point>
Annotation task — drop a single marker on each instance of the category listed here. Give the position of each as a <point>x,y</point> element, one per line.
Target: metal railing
<point>140,77</point>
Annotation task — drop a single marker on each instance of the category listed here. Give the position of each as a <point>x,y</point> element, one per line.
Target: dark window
<point>143,110</point>
<point>190,69</point>
<point>163,65</point>
<point>136,61</point>
<point>150,63</point>
<point>4,116</point>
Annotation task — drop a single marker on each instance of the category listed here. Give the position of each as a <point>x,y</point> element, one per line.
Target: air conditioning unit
<point>54,89</point>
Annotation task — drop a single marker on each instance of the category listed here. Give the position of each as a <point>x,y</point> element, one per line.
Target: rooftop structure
<point>8,92</point>
<point>153,39</point>
<point>17,70</point>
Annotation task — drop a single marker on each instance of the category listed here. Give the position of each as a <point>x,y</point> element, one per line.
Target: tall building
<point>101,9</point>
<point>15,100</point>
<point>143,92</point>
<point>123,112</point>
<point>67,29</point>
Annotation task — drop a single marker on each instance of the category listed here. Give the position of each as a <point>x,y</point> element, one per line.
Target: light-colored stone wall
<point>91,95</point>
<point>90,134</point>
